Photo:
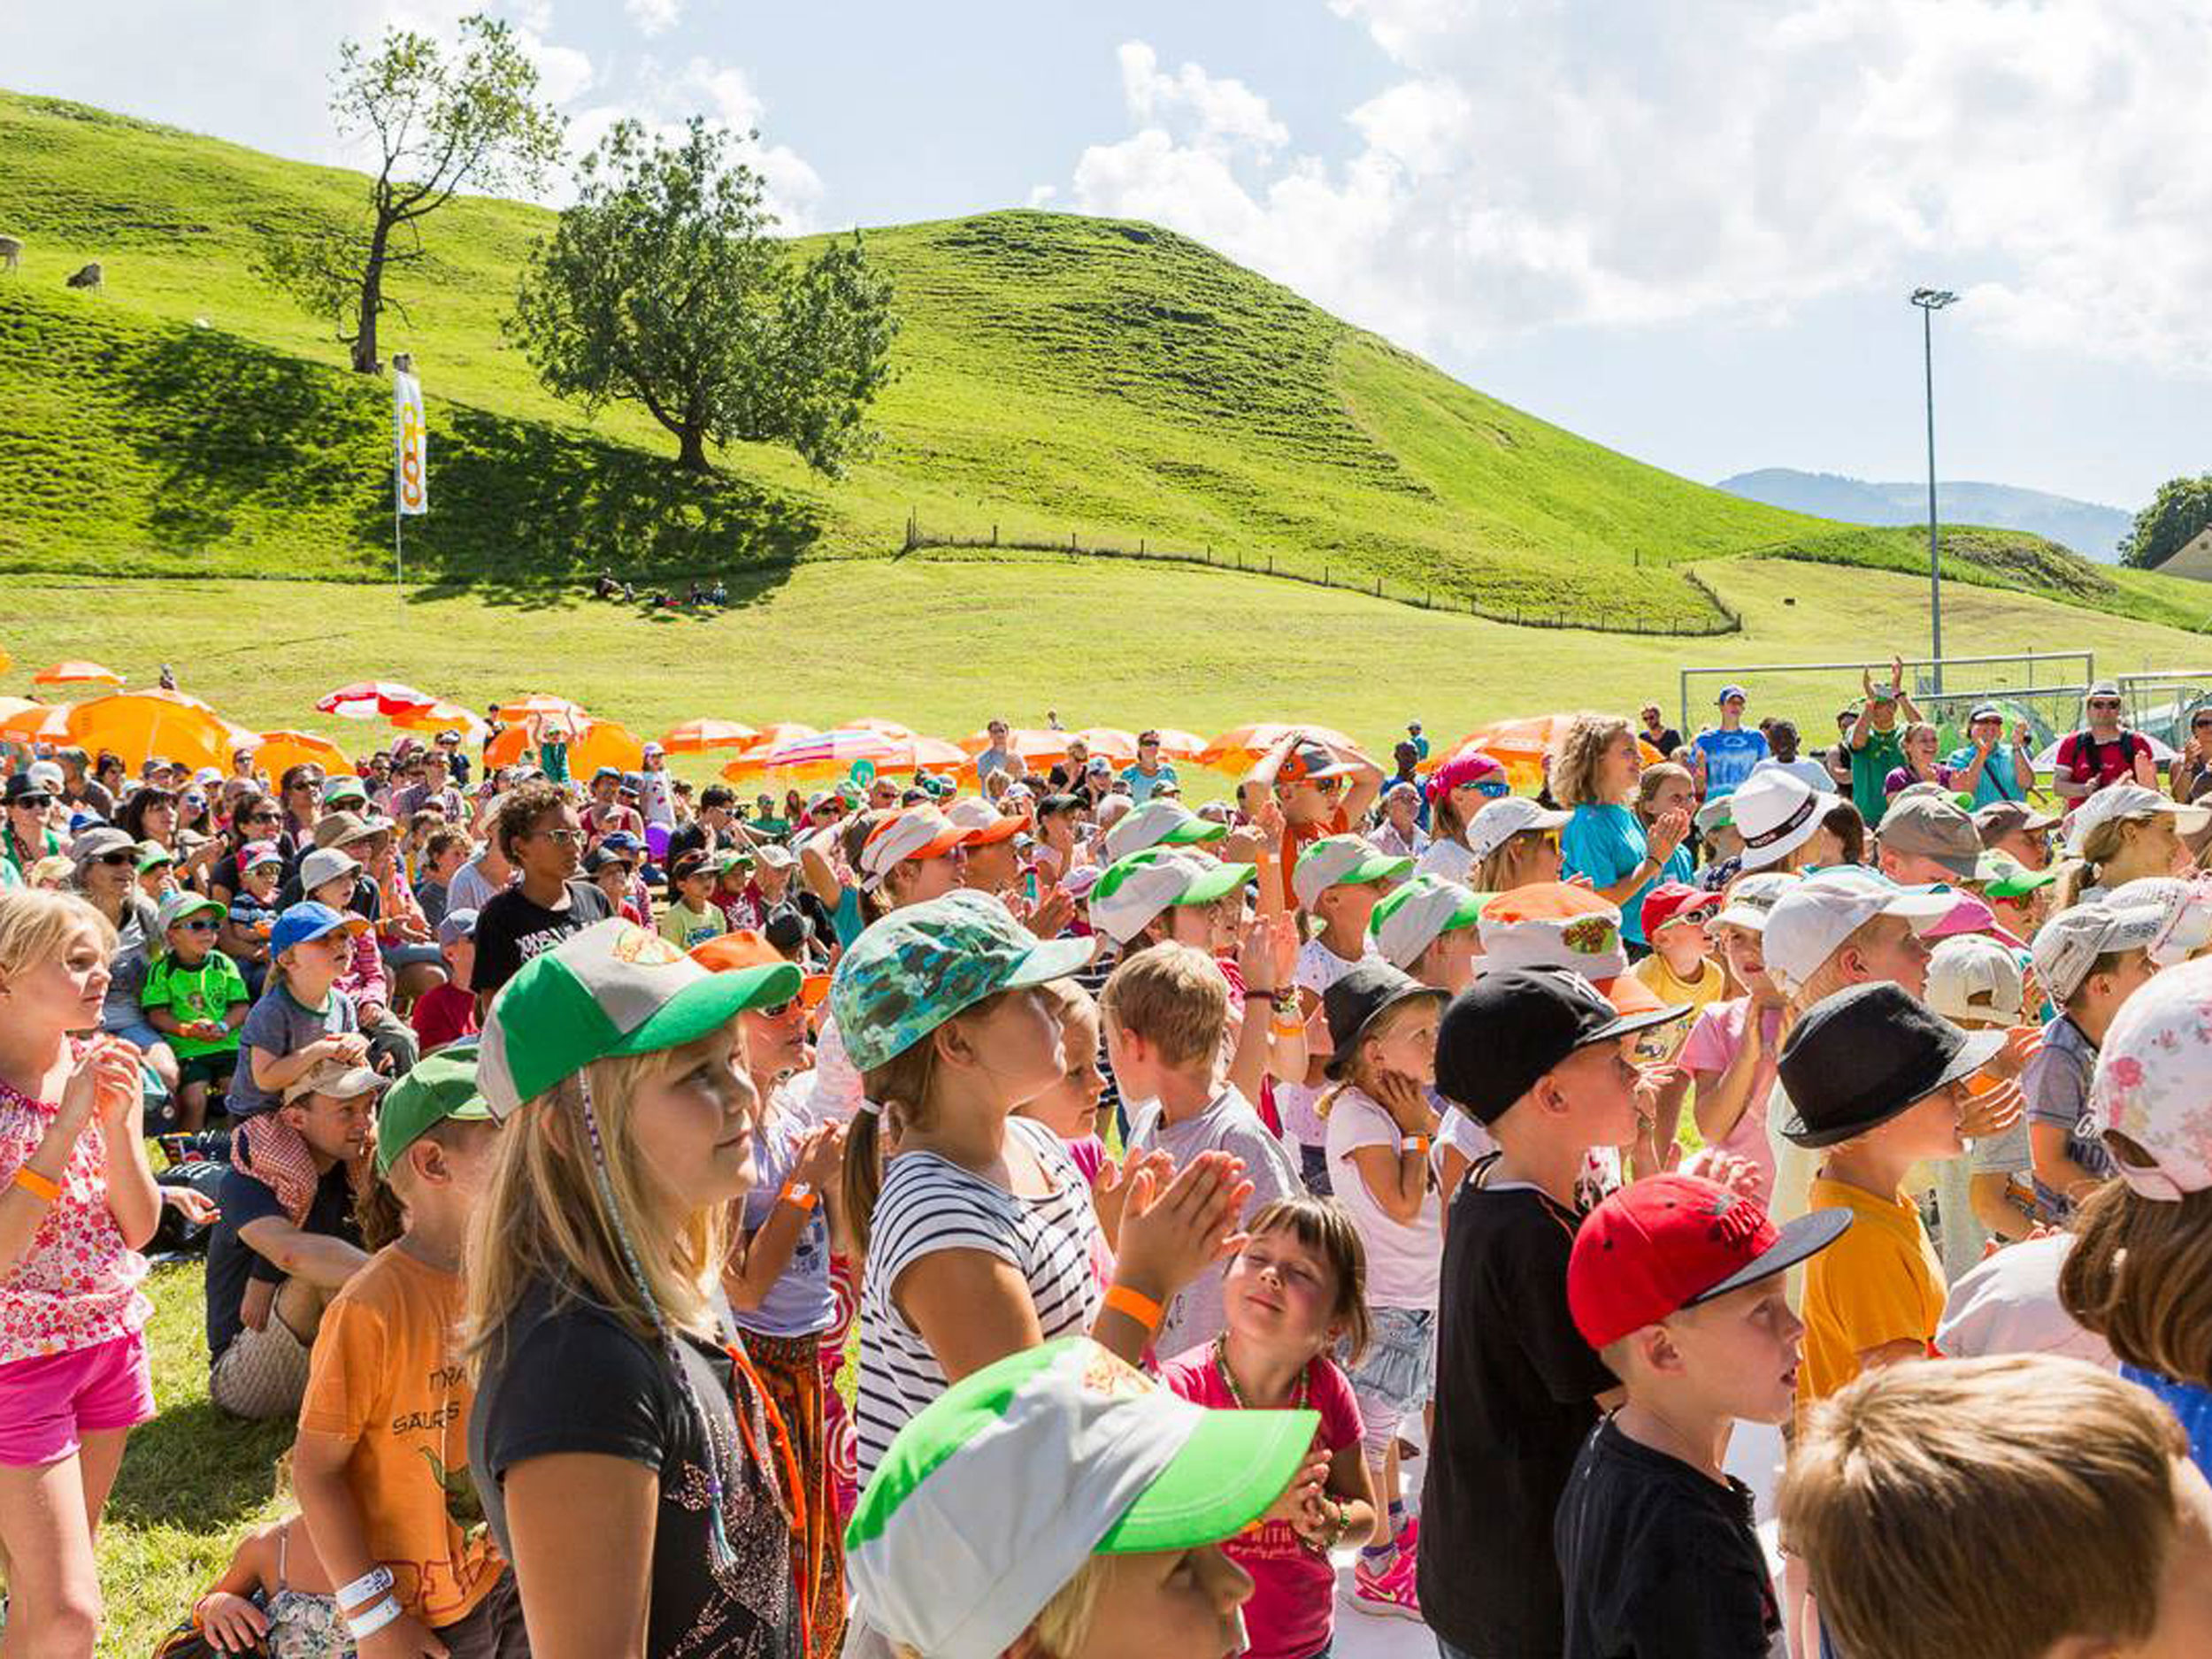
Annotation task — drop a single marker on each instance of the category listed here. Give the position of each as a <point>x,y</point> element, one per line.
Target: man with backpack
<point>2103,751</point>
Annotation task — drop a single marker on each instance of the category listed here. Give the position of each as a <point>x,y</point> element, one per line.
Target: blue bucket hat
<point>917,968</point>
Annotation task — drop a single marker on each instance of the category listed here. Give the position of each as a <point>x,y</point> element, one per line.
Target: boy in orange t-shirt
<point>1320,790</point>
<point>382,1465</point>
<point>1878,1079</point>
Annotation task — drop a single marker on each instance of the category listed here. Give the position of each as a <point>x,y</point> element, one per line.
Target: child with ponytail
<point>77,1203</point>
<point>631,1462</point>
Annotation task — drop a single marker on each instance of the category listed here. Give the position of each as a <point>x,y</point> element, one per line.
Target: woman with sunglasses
<point>107,861</point>
<point>255,817</point>
<point>27,836</point>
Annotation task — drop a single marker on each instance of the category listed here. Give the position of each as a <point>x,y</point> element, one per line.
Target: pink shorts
<point>48,1405</point>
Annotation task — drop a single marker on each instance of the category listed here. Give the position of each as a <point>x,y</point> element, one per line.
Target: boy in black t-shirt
<point>1679,1285</point>
<point>538,831</point>
<point>1534,1054</point>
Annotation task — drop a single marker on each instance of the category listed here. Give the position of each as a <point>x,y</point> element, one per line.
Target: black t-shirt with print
<point>1658,1559</point>
<point>571,1377</point>
<point>511,929</point>
<point>1519,1390</point>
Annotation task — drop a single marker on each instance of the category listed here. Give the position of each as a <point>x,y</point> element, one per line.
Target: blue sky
<point>1686,228</point>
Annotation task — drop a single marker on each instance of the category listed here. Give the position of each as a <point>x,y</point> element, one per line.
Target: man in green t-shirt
<point>1877,747</point>
<point>196,999</point>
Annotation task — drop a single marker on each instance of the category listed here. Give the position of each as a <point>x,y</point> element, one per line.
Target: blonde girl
<point>1597,772</point>
<point>1382,1122</point>
<point>77,1203</point>
<point>1516,844</point>
<point>2123,834</point>
<point>610,1387</point>
<point>1295,1292</point>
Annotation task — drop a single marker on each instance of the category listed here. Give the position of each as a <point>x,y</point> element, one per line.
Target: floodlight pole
<point>1931,301</point>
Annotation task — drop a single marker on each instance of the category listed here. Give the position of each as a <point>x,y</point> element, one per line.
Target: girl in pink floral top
<point>77,1200</point>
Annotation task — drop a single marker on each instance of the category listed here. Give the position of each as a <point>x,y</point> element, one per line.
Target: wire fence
<point>1598,617</point>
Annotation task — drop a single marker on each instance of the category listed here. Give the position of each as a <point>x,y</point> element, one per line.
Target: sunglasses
<point>116,860</point>
<point>197,924</point>
<point>264,817</point>
<point>777,1010</point>
<point>2104,703</point>
<point>33,802</point>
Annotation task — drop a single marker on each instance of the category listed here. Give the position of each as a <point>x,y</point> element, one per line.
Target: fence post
<point>993,535</point>
<point>1324,576</point>
<point>1377,587</point>
<point>1141,544</point>
<point>1270,564</point>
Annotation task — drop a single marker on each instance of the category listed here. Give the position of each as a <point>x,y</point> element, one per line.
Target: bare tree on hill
<point>442,120</point>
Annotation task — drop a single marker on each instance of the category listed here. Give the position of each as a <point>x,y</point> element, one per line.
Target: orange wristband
<point>792,1194</point>
<point>39,1187</point>
<point>1136,1304</point>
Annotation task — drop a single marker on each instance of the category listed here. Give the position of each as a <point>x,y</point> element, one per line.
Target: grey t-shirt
<point>282,1024</point>
<point>119,1008</point>
<point>470,889</point>
<point>1228,1125</point>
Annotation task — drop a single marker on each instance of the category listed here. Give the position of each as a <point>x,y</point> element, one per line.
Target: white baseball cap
<point>1776,812</point>
<point>1971,977</point>
<point>1130,891</point>
<point>1412,918</point>
<point>326,864</point>
<point>1500,820</point>
<point>1159,822</point>
<point>2130,800</point>
<point>1820,912</point>
<point>994,1496</point>
<point>2068,945</point>
<point>1752,899</point>
<point>2186,906</point>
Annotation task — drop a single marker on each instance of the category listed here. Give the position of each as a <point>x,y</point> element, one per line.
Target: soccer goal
<point>2042,688</point>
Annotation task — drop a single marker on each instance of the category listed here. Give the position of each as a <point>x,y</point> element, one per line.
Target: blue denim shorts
<point>1399,1367</point>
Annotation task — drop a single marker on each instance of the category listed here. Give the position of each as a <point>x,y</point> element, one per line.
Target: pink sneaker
<point>1388,1594</point>
<point>1410,1536</point>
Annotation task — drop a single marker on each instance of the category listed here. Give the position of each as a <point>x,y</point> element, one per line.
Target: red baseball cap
<point>1671,900</point>
<point>1668,1242</point>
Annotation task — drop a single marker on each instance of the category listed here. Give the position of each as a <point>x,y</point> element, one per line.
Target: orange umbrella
<point>1110,740</point>
<point>9,707</point>
<point>6,662</point>
<point>36,723</point>
<point>780,731</point>
<point>876,723</point>
<point>139,724</point>
<point>1176,745</point>
<point>696,737</point>
<point>541,702</point>
<point>75,672</point>
<point>1520,747</point>
<point>923,754</point>
<point>596,744</point>
<point>1239,749</point>
<point>442,716</point>
<point>278,752</point>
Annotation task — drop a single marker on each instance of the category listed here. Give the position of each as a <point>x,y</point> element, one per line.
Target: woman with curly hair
<point>1594,771</point>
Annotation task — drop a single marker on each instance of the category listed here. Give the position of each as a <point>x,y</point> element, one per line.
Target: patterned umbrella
<point>76,673</point>
<point>374,700</point>
<point>696,737</point>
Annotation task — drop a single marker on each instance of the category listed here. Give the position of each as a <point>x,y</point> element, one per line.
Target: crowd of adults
<point>1499,1148</point>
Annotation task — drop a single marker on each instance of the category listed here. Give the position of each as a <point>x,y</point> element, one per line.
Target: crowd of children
<point>913,1231</point>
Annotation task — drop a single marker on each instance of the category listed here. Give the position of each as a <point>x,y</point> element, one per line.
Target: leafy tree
<point>2178,514</point>
<point>663,287</point>
<point>442,121</point>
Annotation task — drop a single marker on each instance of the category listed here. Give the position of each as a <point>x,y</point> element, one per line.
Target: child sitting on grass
<point>331,878</point>
<point>1293,1294</point>
<point>253,910</point>
<point>1113,1553</point>
<point>447,1013</point>
<point>301,1019</point>
<point>2030,1506</point>
<point>196,998</point>
<point>691,918</point>
<point>273,1598</point>
<point>1677,1282</point>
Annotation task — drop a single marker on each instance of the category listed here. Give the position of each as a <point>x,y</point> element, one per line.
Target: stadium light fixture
<point>1931,301</point>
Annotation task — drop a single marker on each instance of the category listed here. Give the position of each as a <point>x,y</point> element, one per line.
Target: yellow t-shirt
<point>1662,982</point>
<point>385,1376</point>
<point>1877,1283</point>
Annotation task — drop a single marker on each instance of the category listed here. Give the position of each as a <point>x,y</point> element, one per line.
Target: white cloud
<point>1581,161</point>
<point>654,17</point>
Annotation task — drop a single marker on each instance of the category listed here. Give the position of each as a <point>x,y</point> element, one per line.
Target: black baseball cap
<point>1358,1000</point>
<point>1501,1034</point>
<point>1861,1057</point>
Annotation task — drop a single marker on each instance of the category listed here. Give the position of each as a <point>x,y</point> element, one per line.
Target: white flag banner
<point>411,476</point>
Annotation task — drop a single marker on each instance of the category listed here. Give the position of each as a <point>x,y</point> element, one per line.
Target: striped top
<point>929,1203</point>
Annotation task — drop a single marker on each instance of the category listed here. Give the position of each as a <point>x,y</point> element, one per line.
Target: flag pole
<point>403,364</point>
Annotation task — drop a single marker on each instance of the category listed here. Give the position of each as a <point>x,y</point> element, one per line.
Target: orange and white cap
<point>919,832</point>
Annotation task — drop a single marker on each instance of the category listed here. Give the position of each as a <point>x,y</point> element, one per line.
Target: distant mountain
<point>2089,529</point>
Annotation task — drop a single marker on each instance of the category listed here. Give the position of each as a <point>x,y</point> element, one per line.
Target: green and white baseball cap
<point>1409,919</point>
<point>995,1495</point>
<point>1342,860</point>
<point>1159,822</point>
<point>1130,891</point>
<point>613,989</point>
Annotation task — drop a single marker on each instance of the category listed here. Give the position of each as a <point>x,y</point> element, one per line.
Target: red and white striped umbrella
<point>374,700</point>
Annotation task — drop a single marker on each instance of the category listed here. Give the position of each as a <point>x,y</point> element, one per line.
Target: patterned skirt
<point>791,1367</point>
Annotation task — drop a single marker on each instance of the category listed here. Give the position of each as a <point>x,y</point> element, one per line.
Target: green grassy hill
<point>1056,375</point>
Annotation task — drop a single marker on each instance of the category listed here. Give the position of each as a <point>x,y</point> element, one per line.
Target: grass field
<point>1054,374</point>
<point>943,648</point>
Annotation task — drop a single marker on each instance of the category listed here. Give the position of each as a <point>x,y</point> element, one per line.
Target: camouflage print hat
<point>910,972</point>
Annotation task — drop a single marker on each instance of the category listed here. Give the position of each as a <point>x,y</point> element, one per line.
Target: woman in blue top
<point>1595,772</point>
